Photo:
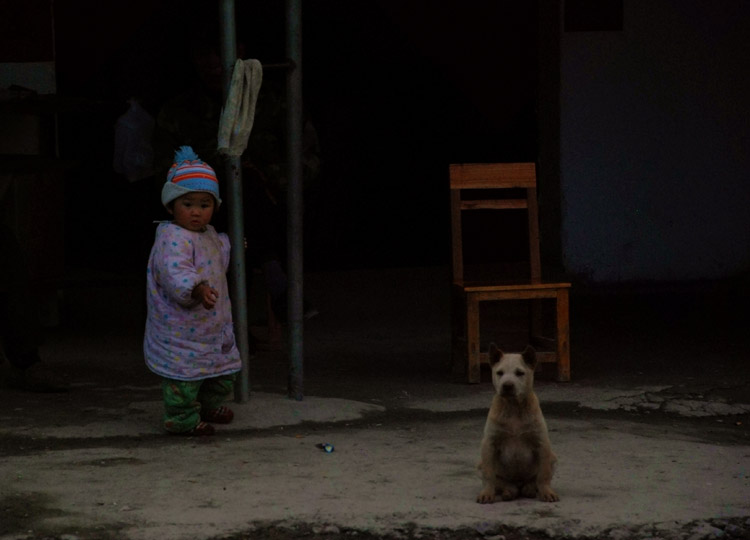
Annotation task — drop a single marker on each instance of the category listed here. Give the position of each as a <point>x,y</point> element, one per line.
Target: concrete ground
<point>652,434</point>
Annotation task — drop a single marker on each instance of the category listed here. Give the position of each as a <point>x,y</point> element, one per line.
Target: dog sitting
<point>516,457</point>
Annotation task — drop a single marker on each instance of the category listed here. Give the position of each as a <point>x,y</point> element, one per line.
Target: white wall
<point>655,143</point>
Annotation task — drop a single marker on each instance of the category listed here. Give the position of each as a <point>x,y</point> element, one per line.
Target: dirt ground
<point>652,434</point>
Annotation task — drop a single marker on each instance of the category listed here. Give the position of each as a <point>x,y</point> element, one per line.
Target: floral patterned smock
<point>184,340</point>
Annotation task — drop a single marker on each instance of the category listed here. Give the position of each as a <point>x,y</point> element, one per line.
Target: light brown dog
<point>516,457</point>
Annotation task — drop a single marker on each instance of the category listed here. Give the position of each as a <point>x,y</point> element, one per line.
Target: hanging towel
<point>239,110</point>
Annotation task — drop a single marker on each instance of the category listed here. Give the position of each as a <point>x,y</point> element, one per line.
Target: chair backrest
<point>494,176</point>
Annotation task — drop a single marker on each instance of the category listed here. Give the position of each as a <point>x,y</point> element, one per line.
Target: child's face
<point>193,211</point>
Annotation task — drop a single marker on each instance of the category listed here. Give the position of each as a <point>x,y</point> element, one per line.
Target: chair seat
<point>486,286</point>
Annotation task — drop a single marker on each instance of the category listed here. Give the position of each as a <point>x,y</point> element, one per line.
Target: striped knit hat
<point>188,174</point>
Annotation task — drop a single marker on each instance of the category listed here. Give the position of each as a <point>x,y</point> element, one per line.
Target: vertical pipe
<point>294,196</point>
<point>233,173</point>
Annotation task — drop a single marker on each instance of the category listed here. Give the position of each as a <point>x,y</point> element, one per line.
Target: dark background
<point>397,91</point>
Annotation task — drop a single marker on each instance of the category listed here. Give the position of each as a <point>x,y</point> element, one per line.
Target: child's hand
<point>206,295</point>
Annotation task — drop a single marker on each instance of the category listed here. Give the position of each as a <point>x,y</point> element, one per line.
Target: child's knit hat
<point>188,174</point>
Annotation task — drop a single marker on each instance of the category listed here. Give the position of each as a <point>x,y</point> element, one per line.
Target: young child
<point>189,338</point>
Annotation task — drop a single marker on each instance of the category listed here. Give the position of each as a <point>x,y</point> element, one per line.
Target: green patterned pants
<point>184,400</point>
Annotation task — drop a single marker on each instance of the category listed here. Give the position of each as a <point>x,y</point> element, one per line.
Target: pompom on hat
<point>189,174</point>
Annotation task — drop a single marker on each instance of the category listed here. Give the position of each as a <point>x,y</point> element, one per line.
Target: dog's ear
<point>495,354</point>
<point>529,356</point>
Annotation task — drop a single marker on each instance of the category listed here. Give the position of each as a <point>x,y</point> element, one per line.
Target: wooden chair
<point>467,295</point>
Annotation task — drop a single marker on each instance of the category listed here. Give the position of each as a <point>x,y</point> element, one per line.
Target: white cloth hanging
<point>238,113</point>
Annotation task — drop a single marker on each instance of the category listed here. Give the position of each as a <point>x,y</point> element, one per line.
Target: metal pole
<point>236,219</point>
<point>294,196</point>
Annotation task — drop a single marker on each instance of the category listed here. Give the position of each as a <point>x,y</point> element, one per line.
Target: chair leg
<point>563,336</point>
<point>472,339</point>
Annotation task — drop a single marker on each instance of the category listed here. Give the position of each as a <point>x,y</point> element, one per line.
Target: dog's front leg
<point>487,471</point>
<point>547,462</point>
